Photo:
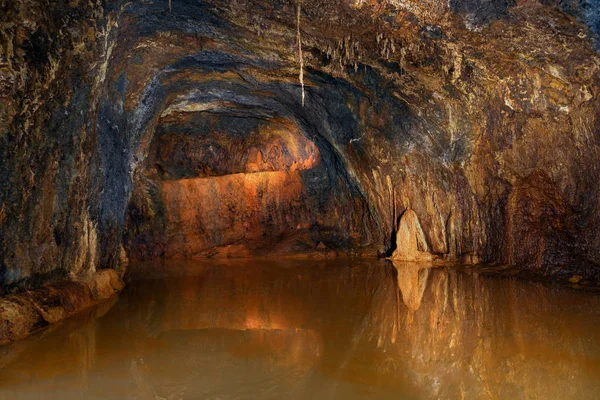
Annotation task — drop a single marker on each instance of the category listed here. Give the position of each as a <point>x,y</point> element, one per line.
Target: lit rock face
<point>479,116</point>
<point>224,183</point>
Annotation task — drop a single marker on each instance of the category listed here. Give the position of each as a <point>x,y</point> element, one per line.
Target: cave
<point>299,199</point>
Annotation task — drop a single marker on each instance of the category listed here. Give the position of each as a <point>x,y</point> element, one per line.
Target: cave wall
<point>52,67</point>
<point>233,185</point>
<point>480,116</point>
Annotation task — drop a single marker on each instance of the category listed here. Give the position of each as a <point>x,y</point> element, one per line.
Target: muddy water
<point>316,330</point>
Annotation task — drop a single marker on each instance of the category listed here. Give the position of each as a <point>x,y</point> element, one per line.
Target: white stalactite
<point>301,59</point>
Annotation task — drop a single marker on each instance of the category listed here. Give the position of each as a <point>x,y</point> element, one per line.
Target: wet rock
<point>27,312</point>
<point>575,279</point>
<point>105,283</point>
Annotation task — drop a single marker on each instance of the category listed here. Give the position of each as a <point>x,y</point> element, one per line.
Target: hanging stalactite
<point>300,58</point>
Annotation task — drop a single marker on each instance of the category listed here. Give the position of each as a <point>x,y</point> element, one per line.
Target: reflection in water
<point>308,330</point>
<point>412,281</point>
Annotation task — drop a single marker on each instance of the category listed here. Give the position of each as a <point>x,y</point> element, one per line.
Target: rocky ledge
<point>29,311</point>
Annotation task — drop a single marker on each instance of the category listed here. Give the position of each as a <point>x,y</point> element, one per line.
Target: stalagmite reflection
<point>482,337</point>
<point>412,281</point>
<point>336,329</point>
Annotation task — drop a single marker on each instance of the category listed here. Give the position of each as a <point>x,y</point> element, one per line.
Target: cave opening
<point>299,199</point>
<point>227,181</point>
<point>227,166</point>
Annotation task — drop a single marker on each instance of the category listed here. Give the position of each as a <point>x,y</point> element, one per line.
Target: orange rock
<point>204,213</point>
<point>411,244</point>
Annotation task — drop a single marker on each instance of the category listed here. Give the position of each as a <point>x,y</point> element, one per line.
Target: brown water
<point>316,330</point>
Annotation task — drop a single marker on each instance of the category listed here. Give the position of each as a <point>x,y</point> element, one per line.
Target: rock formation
<point>24,313</point>
<point>411,244</point>
<point>122,121</point>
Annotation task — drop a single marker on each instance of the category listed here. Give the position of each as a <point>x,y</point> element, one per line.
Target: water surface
<point>343,329</point>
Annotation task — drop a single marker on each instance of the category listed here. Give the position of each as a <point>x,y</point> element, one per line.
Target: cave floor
<point>306,329</point>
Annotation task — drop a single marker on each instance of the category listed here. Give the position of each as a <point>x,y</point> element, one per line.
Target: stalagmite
<point>411,244</point>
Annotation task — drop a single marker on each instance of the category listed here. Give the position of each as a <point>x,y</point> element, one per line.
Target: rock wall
<point>479,116</point>
<point>52,65</point>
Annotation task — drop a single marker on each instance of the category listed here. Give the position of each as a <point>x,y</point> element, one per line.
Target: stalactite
<point>301,76</point>
<point>170,9</point>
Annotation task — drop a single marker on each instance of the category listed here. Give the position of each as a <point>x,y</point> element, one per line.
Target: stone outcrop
<point>411,244</point>
<point>27,312</point>
<point>482,117</point>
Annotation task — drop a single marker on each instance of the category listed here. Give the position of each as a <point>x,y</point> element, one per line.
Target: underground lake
<point>300,329</point>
